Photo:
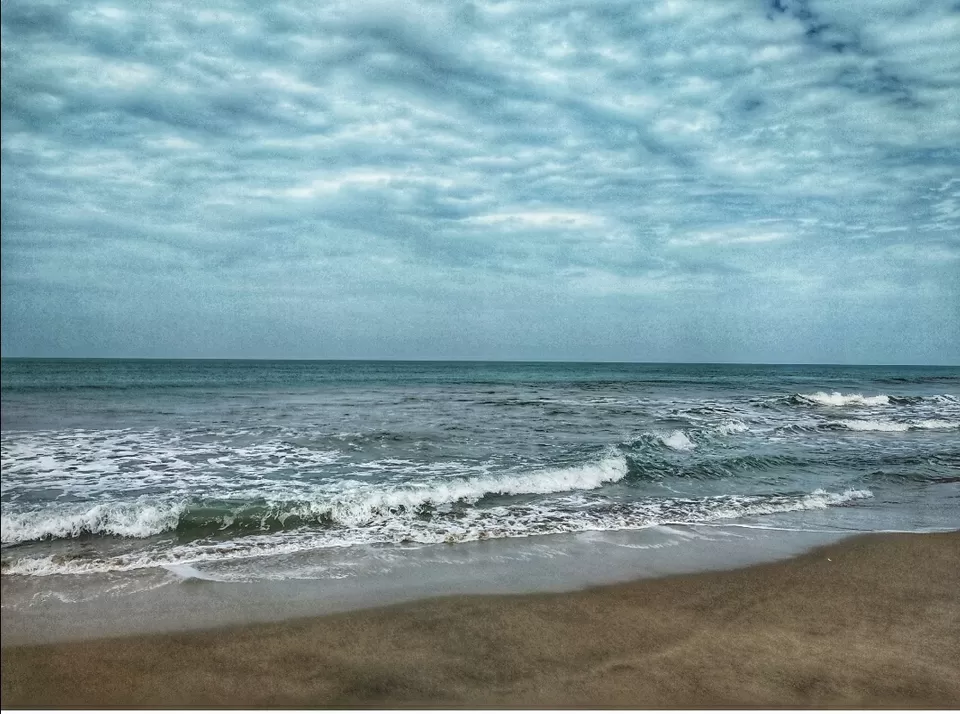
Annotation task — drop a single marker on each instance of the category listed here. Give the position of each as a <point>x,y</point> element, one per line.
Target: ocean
<point>125,476</point>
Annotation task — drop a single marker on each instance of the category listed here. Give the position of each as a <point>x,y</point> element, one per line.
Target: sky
<point>732,181</point>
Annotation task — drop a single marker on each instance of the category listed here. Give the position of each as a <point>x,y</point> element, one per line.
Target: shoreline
<point>871,621</point>
<point>52,609</point>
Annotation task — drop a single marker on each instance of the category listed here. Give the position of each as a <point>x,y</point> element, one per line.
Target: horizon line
<point>482,361</point>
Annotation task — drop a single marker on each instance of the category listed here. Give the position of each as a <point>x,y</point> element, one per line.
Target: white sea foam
<point>887,425</point>
<point>95,465</point>
<point>677,440</point>
<point>817,500</point>
<point>762,527</point>
<point>728,428</point>
<point>935,424</point>
<point>836,399</point>
<point>873,425</point>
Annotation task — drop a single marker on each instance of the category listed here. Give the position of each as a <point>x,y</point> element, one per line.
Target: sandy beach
<point>873,621</point>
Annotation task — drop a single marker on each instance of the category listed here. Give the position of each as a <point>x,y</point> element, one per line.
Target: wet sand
<point>870,622</point>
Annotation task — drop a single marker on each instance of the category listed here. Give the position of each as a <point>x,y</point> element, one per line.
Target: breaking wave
<point>677,440</point>
<point>887,425</point>
<point>836,399</point>
<point>136,520</point>
<point>729,428</point>
<point>563,515</point>
<point>355,507</point>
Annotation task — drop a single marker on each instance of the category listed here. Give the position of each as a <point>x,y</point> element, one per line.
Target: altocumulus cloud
<point>675,180</point>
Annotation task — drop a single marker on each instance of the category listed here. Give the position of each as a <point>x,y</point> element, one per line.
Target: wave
<point>919,379</point>
<point>473,524</point>
<point>729,428</point>
<point>935,424</point>
<point>818,499</point>
<point>872,425</point>
<point>143,518</point>
<point>927,476</point>
<point>929,465</point>
<point>733,466</point>
<point>836,399</point>
<point>677,440</point>
<point>136,520</point>
<point>887,425</point>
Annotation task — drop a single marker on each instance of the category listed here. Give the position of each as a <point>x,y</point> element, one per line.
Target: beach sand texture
<point>872,622</point>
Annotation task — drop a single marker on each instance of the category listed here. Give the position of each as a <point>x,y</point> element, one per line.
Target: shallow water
<point>69,607</point>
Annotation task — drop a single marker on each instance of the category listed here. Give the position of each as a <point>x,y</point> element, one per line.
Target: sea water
<point>119,475</point>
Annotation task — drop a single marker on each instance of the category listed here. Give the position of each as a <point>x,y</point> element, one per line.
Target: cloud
<point>602,180</point>
<point>757,232</point>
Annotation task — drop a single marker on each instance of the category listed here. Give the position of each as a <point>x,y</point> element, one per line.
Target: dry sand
<point>870,622</point>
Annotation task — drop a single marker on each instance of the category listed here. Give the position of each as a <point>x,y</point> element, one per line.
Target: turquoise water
<point>245,469</point>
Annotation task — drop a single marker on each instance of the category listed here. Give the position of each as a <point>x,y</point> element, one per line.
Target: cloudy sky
<point>574,179</point>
